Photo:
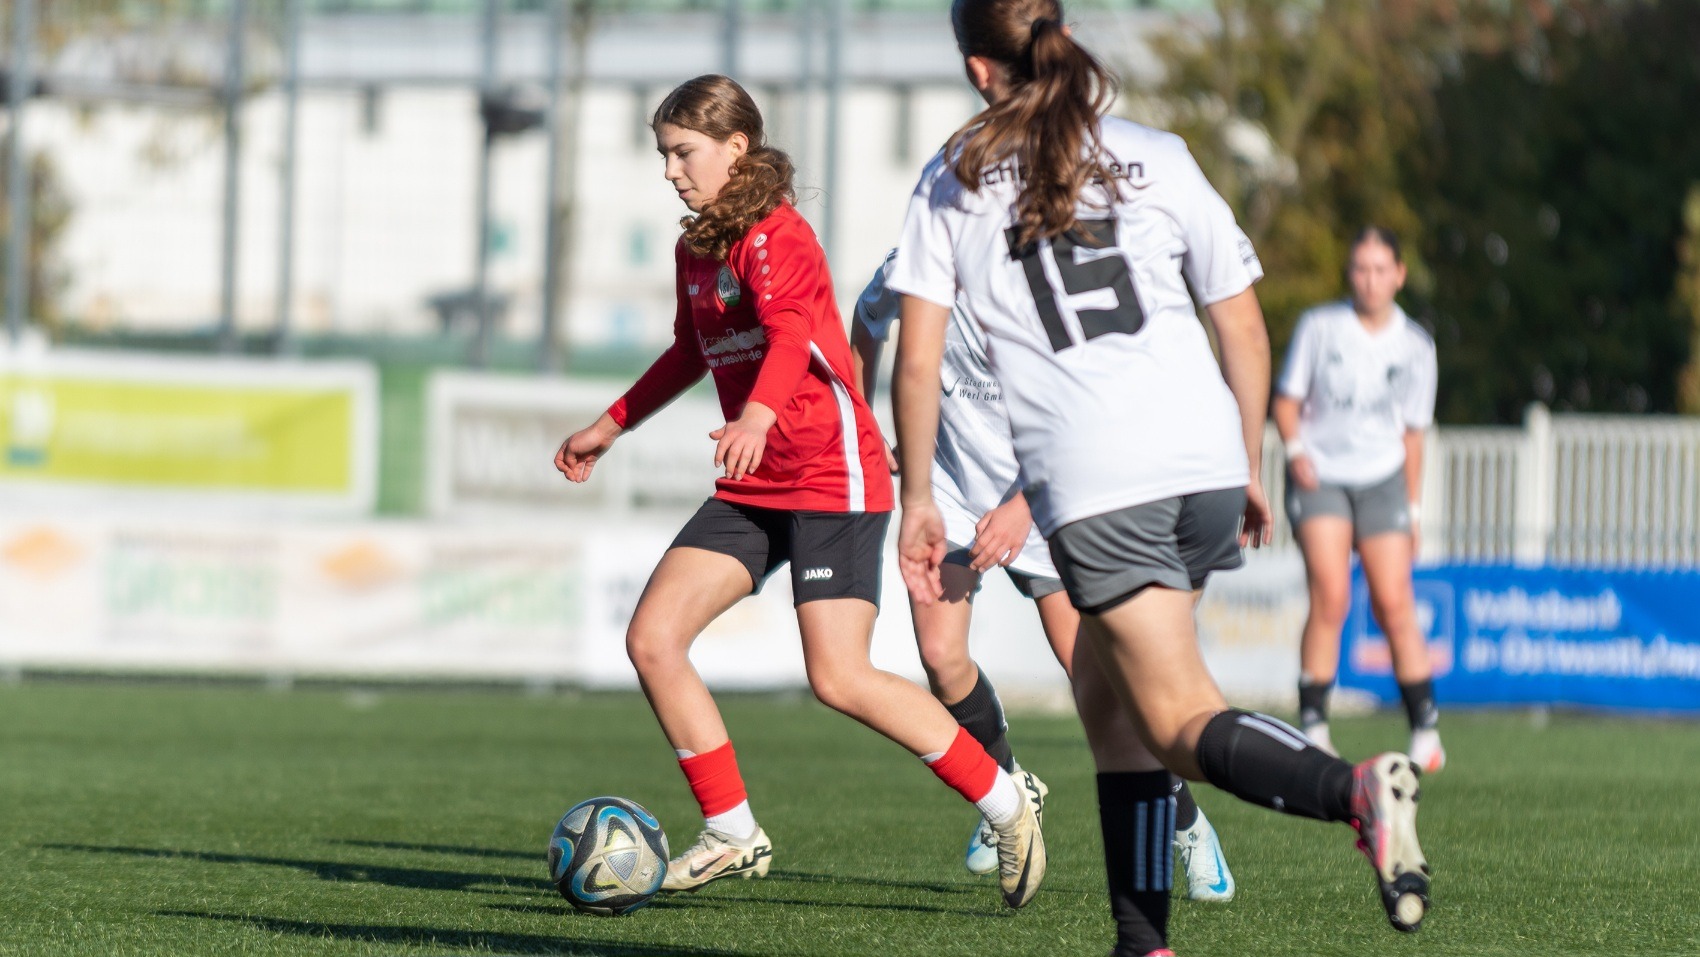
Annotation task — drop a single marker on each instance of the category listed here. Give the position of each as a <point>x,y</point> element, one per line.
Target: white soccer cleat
<point>1319,736</point>
<point>982,854</point>
<point>1207,874</point>
<point>716,855</point>
<point>1427,751</point>
<point>1033,789</point>
<point>1384,811</point>
<point>1021,852</point>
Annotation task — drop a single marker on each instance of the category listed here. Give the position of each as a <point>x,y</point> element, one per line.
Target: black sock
<point>981,713</point>
<point>1313,701</point>
<point>1419,704</point>
<point>1186,809</point>
<point>1259,759</point>
<point>1136,814</point>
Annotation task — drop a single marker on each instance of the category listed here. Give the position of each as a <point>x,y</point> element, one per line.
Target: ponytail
<point>1048,124</point>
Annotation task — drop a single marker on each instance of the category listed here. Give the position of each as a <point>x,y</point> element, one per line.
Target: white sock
<point>1003,802</point>
<point>737,823</point>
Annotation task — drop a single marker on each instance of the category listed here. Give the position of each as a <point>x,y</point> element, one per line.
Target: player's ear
<point>981,72</point>
<point>737,144</point>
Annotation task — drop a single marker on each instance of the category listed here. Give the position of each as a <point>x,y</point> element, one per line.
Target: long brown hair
<point>717,107</point>
<point>1048,125</point>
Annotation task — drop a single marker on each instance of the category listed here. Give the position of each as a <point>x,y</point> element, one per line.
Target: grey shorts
<point>1030,586</point>
<point>1174,542</point>
<point>1373,509</point>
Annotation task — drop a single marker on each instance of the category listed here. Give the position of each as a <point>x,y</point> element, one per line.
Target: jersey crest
<point>726,285</point>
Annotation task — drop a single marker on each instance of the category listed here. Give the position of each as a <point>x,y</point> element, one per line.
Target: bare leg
<point>1387,570</point>
<point>941,635</point>
<point>689,589</point>
<point>837,634</point>
<point>1326,542</point>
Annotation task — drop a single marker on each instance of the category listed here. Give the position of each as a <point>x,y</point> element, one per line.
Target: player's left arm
<point>1414,483</point>
<point>915,407</point>
<point>1244,338</point>
<point>1419,415</point>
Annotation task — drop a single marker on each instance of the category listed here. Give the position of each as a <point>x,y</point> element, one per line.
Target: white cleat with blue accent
<point>982,854</point>
<point>1207,874</point>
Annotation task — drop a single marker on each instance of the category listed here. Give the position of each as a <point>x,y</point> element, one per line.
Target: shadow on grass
<point>805,877</point>
<point>474,940</point>
<point>447,849</point>
<point>416,878</point>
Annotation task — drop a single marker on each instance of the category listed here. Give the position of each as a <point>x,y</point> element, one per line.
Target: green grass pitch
<point>142,820</point>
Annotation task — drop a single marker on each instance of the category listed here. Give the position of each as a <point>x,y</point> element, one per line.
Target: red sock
<point>715,780</point>
<point>967,767</point>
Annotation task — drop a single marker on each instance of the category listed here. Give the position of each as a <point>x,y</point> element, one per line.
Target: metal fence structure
<point>1563,490</point>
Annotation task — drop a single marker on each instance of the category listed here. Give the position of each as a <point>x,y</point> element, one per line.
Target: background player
<point>988,525</point>
<point>1355,396</point>
<point>805,482</point>
<point>1071,239</point>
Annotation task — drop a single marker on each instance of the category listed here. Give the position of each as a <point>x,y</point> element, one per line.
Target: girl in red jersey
<point>805,482</point>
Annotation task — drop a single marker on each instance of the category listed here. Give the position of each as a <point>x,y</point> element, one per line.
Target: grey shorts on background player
<point>1373,509</point>
<point>1030,586</point>
<point>1173,542</point>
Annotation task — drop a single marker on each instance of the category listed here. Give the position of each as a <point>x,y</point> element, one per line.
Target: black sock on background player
<point>1186,809</point>
<point>1419,704</point>
<point>1136,811</point>
<point>981,714</point>
<point>1313,701</point>
<point>1259,759</point>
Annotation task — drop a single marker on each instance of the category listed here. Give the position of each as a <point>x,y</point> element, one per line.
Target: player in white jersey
<point>1071,239</point>
<point>1352,404</point>
<point>987,523</point>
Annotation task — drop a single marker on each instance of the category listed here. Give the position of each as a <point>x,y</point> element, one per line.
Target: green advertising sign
<point>117,430</point>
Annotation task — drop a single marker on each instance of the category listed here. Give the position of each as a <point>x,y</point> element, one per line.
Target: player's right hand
<point>1303,473</point>
<point>1257,528</point>
<point>920,552</point>
<point>579,454</point>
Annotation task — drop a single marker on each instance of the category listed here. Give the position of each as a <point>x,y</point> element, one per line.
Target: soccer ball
<point>608,856</point>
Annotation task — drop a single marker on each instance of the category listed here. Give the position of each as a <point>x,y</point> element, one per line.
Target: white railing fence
<point>1568,489</point>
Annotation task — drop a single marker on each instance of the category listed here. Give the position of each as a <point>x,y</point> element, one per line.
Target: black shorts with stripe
<point>832,554</point>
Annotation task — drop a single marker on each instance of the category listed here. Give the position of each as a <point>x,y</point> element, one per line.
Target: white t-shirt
<point>1360,391</point>
<point>974,468</point>
<point>1114,396</point>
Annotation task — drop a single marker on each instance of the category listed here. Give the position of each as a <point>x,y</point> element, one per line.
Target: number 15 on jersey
<point>1080,275</point>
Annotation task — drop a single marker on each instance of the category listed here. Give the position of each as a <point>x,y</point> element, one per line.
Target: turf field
<point>141,820</point>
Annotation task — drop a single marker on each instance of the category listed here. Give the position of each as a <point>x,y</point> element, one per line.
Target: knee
<point>650,649</point>
<point>946,661</point>
<point>1394,612</point>
<point>1329,604</point>
<point>835,688</point>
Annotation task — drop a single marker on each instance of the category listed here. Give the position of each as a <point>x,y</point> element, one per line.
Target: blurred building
<point>388,148</point>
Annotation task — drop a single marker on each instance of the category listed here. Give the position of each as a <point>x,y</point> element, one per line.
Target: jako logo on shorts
<point>816,574</point>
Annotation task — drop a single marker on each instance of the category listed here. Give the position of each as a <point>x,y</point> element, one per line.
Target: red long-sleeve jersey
<point>766,324</point>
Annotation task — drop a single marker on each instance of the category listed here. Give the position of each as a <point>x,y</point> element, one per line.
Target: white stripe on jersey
<point>857,488</point>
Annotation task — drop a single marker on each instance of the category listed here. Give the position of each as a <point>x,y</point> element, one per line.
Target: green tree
<point>1553,183</point>
<point>1686,301</point>
<point>1300,114</point>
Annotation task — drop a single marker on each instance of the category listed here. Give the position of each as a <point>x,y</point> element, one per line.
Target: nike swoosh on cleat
<point>1221,885</point>
<point>700,871</point>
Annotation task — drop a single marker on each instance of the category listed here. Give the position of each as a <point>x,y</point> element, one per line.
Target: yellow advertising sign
<point>188,436</point>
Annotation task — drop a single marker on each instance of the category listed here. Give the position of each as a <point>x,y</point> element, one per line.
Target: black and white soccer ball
<point>608,856</point>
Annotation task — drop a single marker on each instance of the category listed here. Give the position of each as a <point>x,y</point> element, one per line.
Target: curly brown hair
<point>1048,125</point>
<point>717,107</point>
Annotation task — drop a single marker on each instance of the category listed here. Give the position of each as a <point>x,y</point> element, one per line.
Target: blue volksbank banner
<point>1502,635</point>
